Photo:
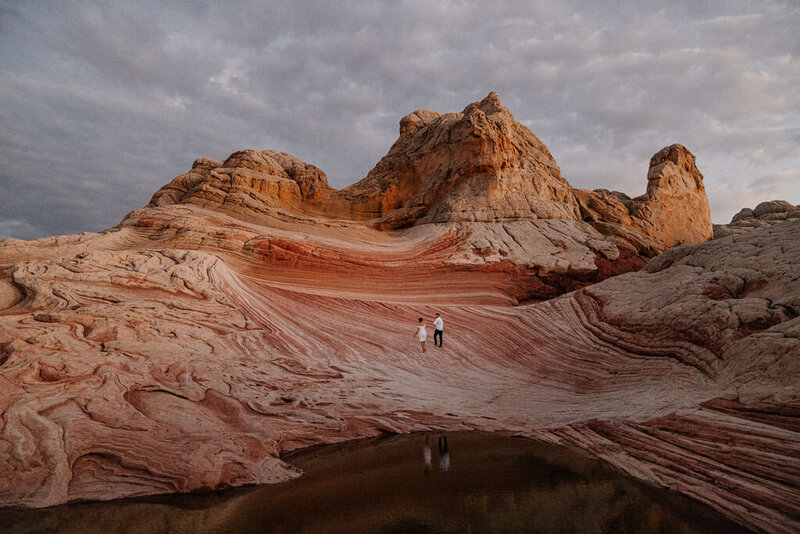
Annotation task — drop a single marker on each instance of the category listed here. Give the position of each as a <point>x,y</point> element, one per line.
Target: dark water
<point>482,483</point>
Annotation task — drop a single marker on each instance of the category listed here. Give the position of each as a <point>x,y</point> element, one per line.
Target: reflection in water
<point>444,454</point>
<point>498,484</point>
<point>426,453</point>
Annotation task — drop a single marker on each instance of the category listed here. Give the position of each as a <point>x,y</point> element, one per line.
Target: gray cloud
<point>103,102</point>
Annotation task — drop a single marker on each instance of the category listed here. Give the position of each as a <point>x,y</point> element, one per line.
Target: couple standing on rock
<point>422,332</point>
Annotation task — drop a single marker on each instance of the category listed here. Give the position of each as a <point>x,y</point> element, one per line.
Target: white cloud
<point>104,102</point>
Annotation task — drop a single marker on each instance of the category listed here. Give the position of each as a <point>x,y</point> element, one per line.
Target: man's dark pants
<point>437,333</point>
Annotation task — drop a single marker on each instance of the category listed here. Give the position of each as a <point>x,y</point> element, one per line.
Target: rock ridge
<point>479,173</point>
<point>765,214</point>
<point>479,165</point>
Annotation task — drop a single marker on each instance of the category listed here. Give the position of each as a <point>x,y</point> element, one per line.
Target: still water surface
<point>474,483</point>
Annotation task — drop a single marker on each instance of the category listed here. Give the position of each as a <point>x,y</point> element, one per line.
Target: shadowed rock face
<point>251,310</point>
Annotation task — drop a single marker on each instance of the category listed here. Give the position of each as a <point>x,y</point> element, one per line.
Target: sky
<point>102,103</point>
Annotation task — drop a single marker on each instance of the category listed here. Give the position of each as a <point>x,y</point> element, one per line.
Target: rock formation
<point>483,186</point>
<point>765,214</point>
<point>252,310</point>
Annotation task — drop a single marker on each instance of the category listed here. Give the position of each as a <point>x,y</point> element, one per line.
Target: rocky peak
<point>477,165</point>
<point>675,208</point>
<point>673,169</point>
<point>416,120</point>
<point>488,106</point>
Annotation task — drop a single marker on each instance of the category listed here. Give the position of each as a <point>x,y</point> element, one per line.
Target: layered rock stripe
<point>251,310</point>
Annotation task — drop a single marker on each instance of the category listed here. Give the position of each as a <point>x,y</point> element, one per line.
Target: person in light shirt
<point>439,330</point>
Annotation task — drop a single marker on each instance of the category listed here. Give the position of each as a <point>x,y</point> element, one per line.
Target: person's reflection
<point>426,453</point>
<point>444,454</point>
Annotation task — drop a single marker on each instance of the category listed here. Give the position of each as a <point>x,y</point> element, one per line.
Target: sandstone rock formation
<point>130,370</point>
<point>765,214</point>
<point>479,165</point>
<point>483,186</point>
<point>251,310</point>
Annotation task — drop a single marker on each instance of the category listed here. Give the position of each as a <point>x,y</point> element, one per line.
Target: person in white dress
<point>422,333</point>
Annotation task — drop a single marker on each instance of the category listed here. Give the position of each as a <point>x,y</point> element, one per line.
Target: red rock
<point>252,310</point>
<point>478,173</point>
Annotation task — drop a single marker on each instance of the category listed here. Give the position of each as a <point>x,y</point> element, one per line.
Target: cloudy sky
<point>101,103</point>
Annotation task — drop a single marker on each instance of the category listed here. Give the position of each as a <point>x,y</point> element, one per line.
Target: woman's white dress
<point>422,333</point>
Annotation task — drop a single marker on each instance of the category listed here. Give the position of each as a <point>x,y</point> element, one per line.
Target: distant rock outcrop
<point>765,214</point>
<point>248,182</point>
<point>674,209</point>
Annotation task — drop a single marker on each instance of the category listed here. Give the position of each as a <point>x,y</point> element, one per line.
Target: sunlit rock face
<point>477,188</point>
<point>251,309</point>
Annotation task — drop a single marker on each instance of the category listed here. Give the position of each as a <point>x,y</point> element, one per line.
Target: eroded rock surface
<point>131,370</point>
<point>240,316</point>
<point>765,214</point>
<point>478,175</point>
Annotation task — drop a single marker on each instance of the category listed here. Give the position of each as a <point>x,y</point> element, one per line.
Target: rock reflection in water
<point>493,484</point>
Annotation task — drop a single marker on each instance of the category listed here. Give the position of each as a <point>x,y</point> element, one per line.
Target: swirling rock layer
<point>130,369</point>
<point>252,310</point>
